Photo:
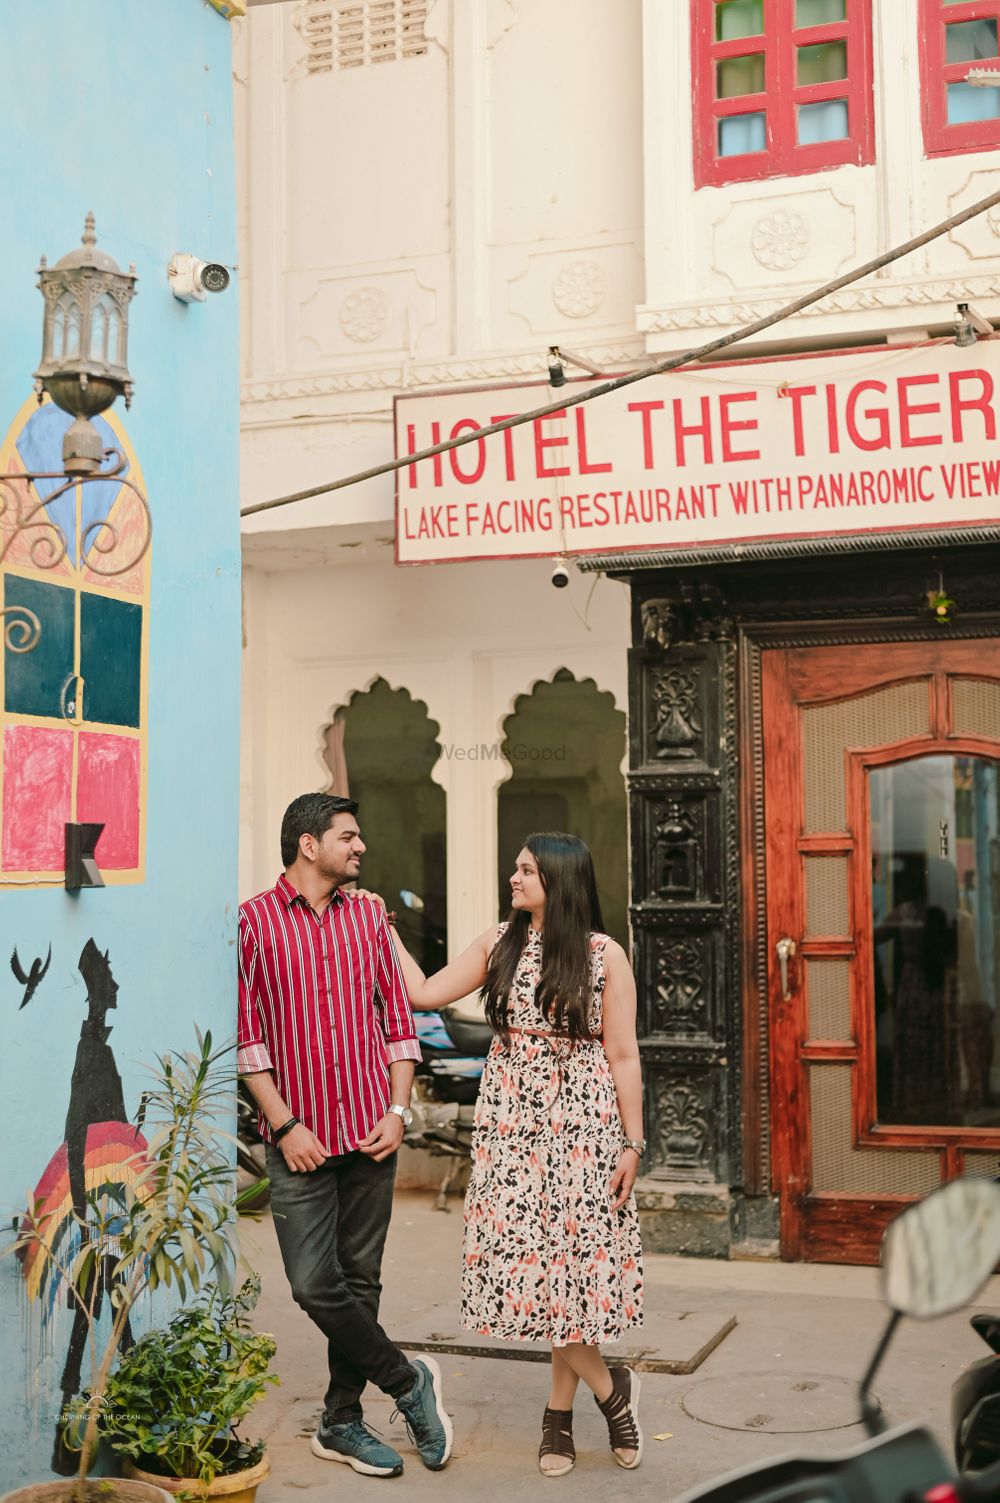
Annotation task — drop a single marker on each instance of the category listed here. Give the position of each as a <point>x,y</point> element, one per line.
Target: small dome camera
<point>560,574</point>
<point>190,279</point>
<point>214,278</point>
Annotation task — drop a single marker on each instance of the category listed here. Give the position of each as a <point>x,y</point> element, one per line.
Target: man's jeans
<point>331,1224</point>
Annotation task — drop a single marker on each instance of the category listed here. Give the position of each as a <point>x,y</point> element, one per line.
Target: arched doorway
<point>381,748</point>
<point>565,742</point>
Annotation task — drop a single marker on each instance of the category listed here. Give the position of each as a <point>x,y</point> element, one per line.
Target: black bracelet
<point>279,1132</point>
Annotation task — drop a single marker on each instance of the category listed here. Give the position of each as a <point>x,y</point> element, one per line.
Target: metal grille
<point>976,706</point>
<point>341,34</point>
<point>829,992</point>
<point>983,1165</point>
<point>838,1165</point>
<point>875,719</point>
<point>826,896</point>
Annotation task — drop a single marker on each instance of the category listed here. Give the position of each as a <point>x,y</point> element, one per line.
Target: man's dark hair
<point>310,814</point>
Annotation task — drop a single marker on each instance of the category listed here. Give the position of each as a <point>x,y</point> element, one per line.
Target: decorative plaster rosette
<point>780,240</point>
<point>364,315</point>
<point>579,290</point>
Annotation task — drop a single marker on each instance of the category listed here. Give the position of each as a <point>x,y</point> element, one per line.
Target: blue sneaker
<point>355,1444</point>
<point>423,1411</point>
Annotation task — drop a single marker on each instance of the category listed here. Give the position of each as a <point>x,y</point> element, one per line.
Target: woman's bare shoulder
<point>614,953</point>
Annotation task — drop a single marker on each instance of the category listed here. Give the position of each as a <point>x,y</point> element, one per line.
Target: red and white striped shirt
<point>323,1005</point>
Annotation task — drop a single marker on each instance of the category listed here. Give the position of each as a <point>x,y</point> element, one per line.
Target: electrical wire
<point>671,363</point>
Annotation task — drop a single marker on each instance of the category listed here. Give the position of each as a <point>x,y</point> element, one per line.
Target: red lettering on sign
<point>586,468</point>
<point>702,429</point>
<point>647,430</point>
<point>981,403</point>
<point>545,441</point>
<point>878,414</point>
<point>908,410</point>
<point>730,426</point>
<point>795,395</point>
<point>462,426</point>
<point>508,441</point>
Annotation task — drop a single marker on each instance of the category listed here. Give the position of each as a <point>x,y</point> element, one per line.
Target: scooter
<point>453,1046</point>
<point>935,1259</point>
<point>975,1403</point>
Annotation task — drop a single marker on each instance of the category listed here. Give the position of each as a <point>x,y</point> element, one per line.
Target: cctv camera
<point>975,318</point>
<point>557,375</point>
<point>190,279</point>
<point>560,574</point>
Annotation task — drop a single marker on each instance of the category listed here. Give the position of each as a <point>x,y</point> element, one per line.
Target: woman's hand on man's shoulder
<point>362,892</point>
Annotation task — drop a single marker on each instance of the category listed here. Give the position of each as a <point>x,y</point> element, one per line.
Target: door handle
<point>786,949</point>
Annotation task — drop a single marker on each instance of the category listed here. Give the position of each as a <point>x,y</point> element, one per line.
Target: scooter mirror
<point>412,900</point>
<point>937,1255</point>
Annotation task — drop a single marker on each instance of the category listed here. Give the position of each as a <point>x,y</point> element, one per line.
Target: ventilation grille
<point>884,715</point>
<point>838,1165</point>
<point>982,1165</point>
<point>827,907</point>
<point>977,708</point>
<point>829,992</point>
<point>343,34</point>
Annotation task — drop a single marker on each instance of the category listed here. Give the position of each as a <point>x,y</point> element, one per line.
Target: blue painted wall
<point>127,112</point>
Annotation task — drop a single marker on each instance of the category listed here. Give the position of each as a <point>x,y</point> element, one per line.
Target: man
<point>326,1046</point>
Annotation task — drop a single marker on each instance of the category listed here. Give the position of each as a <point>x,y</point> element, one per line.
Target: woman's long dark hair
<point>572,913</point>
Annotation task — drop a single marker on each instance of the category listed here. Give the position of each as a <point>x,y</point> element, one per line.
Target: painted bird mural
<point>35,976</point>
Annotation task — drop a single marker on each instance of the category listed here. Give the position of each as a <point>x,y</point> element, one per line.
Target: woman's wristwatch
<point>637,1145</point>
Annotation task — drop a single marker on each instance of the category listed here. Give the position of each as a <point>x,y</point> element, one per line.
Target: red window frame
<point>779,42</point>
<point>940,138</point>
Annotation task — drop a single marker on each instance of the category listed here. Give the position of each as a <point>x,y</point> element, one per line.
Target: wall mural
<point>84,1183</point>
<point>33,978</point>
<point>73,710</point>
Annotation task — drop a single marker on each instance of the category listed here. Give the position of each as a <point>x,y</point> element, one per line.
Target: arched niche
<point>380,748</point>
<point>565,742</point>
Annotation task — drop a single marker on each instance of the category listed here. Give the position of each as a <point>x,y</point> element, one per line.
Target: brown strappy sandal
<point>621,1410</point>
<point>557,1442</point>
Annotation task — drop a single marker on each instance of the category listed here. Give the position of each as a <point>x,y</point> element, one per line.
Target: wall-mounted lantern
<point>84,365</point>
<point>84,369</point>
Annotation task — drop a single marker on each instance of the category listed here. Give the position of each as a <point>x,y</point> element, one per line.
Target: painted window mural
<point>73,709</point>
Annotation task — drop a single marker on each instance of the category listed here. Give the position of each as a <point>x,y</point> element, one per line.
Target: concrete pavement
<point>804,1334</point>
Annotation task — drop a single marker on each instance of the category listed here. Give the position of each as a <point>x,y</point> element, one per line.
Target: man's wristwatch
<point>638,1145</point>
<point>402,1112</point>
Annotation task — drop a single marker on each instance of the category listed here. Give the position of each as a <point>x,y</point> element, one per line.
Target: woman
<point>552,1247</point>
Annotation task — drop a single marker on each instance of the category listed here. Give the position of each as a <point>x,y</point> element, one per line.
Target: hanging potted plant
<point>168,1223</point>
<point>172,1405</point>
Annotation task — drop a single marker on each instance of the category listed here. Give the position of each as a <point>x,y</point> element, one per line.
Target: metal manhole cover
<point>775,1403</point>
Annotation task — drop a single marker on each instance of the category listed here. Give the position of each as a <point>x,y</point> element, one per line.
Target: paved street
<point>803,1336</point>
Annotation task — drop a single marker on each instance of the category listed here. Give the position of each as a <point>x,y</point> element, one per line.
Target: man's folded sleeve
<point>252,1054</point>
<point>397,1017</point>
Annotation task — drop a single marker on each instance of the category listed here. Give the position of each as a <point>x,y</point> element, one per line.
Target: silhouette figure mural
<point>84,1184</point>
<point>34,977</point>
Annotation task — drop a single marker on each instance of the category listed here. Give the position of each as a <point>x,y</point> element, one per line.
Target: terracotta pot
<point>94,1490</point>
<point>237,1487</point>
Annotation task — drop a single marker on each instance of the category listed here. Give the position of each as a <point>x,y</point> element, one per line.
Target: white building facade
<point>433,194</point>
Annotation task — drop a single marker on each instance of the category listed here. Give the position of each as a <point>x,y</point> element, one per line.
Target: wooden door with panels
<point>882,840</point>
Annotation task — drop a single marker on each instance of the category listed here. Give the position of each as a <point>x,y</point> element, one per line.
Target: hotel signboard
<point>866,444</point>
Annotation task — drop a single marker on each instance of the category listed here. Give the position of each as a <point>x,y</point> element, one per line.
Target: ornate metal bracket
<point>22,631</point>
<point>48,544</point>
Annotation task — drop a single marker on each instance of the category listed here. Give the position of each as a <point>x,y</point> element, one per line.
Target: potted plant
<point>168,1224</point>
<point>171,1406</point>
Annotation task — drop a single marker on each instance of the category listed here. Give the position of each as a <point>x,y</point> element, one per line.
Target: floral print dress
<point>545,1257</point>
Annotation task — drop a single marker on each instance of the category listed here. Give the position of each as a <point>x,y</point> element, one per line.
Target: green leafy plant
<point>941,605</point>
<point>173,1403</point>
<point>170,1224</point>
